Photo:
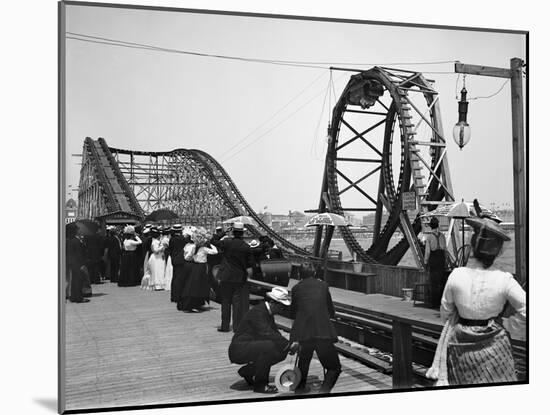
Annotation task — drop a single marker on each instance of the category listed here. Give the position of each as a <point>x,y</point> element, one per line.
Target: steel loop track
<point>409,167</point>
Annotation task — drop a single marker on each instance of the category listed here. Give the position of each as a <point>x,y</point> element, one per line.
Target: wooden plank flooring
<point>128,346</point>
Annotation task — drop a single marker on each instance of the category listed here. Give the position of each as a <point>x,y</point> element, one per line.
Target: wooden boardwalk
<point>128,346</point>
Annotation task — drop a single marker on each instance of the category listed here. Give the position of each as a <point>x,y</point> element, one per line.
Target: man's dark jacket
<point>76,255</point>
<point>175,249</point>
<point>113,245</point>
<point>311,309</point>
<point>237,257</point>
<point>257,324</point>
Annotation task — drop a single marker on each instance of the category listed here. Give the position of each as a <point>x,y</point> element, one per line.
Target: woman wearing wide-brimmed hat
<point>129,262</point>
<point>474,347</point>
<point>196,291</point>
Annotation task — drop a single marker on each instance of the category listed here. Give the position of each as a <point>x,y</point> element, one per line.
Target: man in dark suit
<point>312,329</point>
<point>237,258</point>
<point>257,342</point>
<point>76,265</point>
<point>114,249</point>
<point>95,244</point>
<point>175,250</point>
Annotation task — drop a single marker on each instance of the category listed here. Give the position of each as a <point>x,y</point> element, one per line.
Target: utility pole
<point>518,146</point>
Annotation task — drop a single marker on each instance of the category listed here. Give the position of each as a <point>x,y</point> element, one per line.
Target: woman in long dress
<point>168,270</point>
<point>183,269</point>
<point>156,263</point>
<point>197,289</point>
<point>129,262</point>
<point>474,347</point>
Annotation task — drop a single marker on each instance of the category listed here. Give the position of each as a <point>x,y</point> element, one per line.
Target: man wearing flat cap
<point>257,342</point>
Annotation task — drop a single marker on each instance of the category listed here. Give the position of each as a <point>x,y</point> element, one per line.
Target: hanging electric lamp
<point>461,130</point>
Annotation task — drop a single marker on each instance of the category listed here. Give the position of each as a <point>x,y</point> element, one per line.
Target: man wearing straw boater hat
<point>237,258</point>
<point>257,342</point>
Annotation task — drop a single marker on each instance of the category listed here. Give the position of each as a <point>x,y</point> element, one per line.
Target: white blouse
<point>157,247</point>
<point>130,244</point>
<point>203,252</point>
<point>480,294</point>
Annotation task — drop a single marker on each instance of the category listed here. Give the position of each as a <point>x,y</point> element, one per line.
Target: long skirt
<point>197,289</point>
<point>480,354</point>
<point>129,269</point>
<point>179,280</point>
<point>157,266</point>
<point>168,274</point>
<point>146,270</point>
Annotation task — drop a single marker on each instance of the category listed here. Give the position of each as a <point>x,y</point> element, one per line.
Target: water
<point>505,262</point>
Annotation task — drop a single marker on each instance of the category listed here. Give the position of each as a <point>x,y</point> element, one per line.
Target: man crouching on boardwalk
<point>257,342</point>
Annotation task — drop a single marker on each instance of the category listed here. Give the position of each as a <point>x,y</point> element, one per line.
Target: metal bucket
<point>288,377</point>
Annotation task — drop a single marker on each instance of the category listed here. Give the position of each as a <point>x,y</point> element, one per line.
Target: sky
<point>267,123</point>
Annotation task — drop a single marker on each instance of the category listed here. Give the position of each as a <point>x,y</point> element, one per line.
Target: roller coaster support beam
<point>518,145</point>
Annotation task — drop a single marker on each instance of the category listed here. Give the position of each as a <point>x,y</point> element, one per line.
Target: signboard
<point>409,201</point>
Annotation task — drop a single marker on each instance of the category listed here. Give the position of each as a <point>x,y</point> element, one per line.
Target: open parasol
<point>245,220</point>
<point>327,218</point>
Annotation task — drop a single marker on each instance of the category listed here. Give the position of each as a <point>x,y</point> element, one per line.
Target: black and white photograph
<point>285,209</point>
<point>276,207</point>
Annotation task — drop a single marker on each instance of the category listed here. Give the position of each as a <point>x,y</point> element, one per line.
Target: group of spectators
<point>182,260</point>
<point>474,347</point>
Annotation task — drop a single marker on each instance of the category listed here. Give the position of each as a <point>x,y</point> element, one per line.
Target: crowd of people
<point>182,260</point>
<point>474,346</point>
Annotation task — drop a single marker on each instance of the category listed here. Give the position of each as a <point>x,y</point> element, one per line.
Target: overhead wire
<point>492,95</point>
<point>272,128</point>
<point>132,45</point>
<point>313,147</point>
<point>309,64</point>
<point>478,97</point>
<point>273,115</point>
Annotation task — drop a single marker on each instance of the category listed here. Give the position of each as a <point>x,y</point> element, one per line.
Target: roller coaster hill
<point>385,134</point>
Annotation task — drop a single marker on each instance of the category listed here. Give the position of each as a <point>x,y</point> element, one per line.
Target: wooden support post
<point>518,145</point>
<point>402,355</point>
